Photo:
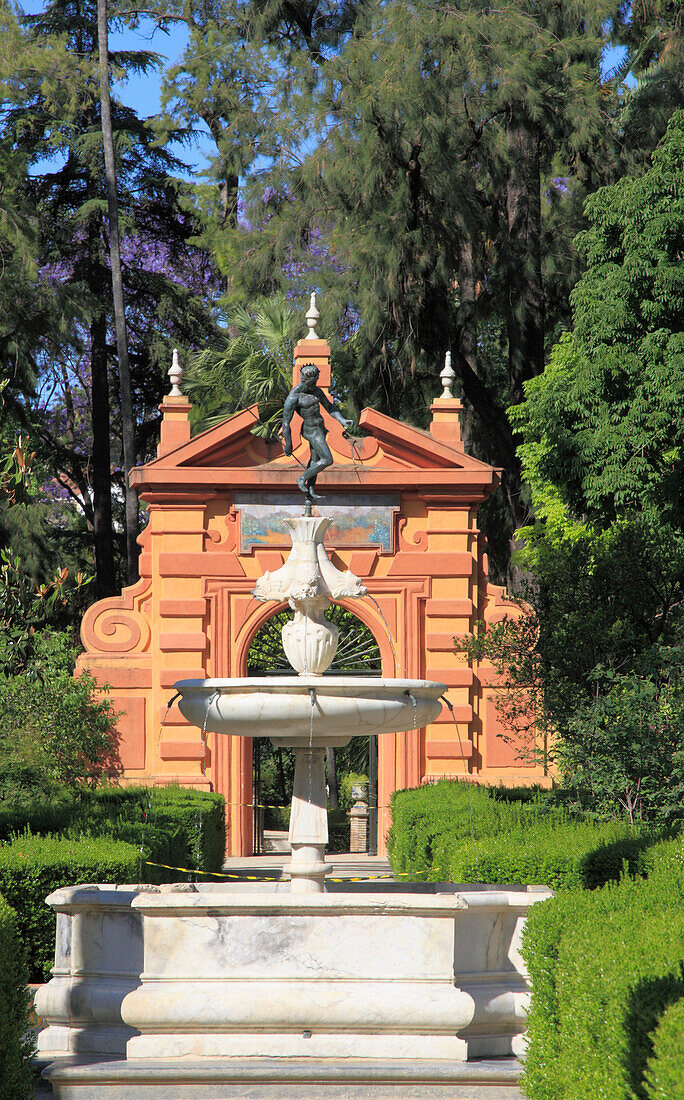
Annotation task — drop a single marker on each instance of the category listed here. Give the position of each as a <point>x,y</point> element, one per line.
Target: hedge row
<point>175,825</point>
<point>665,1071</point>
<point>16,1079</point>
<point>454,832</point>
<point>607,970</point>
<point>31,867</point>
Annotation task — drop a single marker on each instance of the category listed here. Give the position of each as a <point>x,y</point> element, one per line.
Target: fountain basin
<point>280,707</point>
<point>190,979</point>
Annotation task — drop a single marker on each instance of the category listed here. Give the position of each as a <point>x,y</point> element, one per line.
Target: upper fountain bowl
<point>280,707</point>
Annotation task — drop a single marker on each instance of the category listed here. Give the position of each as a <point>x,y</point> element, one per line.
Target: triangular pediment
<point>391,455</point>
<point>396,446</point>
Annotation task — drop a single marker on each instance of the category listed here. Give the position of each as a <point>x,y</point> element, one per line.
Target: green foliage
<point>604,967</point>
<point>27,608</point>
<point>16,1078</point>
<point>602,427</point>
<point>597,668</point>
<point>665,1070</point>
<point>31,867</point>
<point>165,823</point>
<point>108,834</point>
<point>338,830</point>
<point>349,780</point>
<point>252,365</point>
<point>599,662</point>
<point>59,730</point>
<point>451,832</point>
<point>198,815</point>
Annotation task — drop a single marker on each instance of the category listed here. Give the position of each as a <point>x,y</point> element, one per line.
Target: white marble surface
<point>308,572</point>
<point>280,707</point>
<point>167,972</point>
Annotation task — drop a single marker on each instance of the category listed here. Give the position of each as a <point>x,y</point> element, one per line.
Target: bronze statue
<point>306,399</point>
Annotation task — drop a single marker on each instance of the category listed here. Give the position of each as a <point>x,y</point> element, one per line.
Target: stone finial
<point>175,374</point>
<point>447,378</point>
<point>312,318</point>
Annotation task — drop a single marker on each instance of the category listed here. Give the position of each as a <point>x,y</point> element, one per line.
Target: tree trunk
<point>105,572</point>
<point>127,416</point>
<point>467,340</point>
<point>525,306</point>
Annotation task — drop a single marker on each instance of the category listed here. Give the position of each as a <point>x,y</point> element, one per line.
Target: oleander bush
<point>16,1044</point>
<point>605,966</point>
<point>31,867</point>
<point>453,832</point>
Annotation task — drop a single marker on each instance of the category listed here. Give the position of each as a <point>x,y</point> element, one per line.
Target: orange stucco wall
<point>191,613</point>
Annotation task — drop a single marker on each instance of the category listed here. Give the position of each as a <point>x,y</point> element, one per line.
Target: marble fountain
<point>291,989</point>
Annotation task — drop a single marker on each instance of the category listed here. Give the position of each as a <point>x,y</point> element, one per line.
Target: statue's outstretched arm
<point>330,407</point>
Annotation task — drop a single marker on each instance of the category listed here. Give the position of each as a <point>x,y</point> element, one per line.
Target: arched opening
<point>358,654</point>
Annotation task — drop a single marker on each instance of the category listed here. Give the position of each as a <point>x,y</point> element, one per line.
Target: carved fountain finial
<point>309,581</point>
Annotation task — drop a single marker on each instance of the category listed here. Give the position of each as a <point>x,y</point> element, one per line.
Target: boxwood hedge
<point>16,1045</point>
<point>453,832</point>
<point>31,867</point>
<point>665,1070</point>
<point>605,966</point>
<point>175,825</point>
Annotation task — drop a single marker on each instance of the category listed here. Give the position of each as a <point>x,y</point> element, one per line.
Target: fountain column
<point>308,823</point>
<point>308,581</point>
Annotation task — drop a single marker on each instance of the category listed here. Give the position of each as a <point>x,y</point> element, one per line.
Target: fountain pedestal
<point>308,834</point>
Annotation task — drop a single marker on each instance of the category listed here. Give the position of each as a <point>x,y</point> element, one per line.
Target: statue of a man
<point>306,399</point>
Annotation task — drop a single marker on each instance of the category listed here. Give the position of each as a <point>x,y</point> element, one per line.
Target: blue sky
<point>142,92</point>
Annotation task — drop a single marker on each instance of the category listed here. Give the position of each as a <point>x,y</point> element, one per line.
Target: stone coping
<point>428,899</point>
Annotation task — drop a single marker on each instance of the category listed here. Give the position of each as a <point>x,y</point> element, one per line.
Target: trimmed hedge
<point>31,867</point>
<point>108,835</point>
<point>605,965</point>
<point>166,821</point>
<point>665,1070</point>
<point>454,832</point>
<point>16,1044</point>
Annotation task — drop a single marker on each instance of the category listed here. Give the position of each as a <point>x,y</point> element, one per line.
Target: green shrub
<point>200,817</point>
<point>421,816</point>
<point>56,731</point>
<point>165,821</point>
<point>338,831</point>
<point>455,833</point>
<point>665,1070</point>
<point>31,867</point>
<point>16,1079</point>
<point>38,815</point>
<point>604,966</point>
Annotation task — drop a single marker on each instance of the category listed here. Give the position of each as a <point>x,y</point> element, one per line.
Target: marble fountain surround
<point>208,985</point>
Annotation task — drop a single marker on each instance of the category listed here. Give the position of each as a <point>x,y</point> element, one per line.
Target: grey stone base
<point>287,1079</point>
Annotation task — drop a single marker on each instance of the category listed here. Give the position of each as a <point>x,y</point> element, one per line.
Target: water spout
<point>415,708</point>
<point>389,632</point>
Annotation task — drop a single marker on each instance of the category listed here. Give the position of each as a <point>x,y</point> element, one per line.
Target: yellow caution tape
<point>272,878</point>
